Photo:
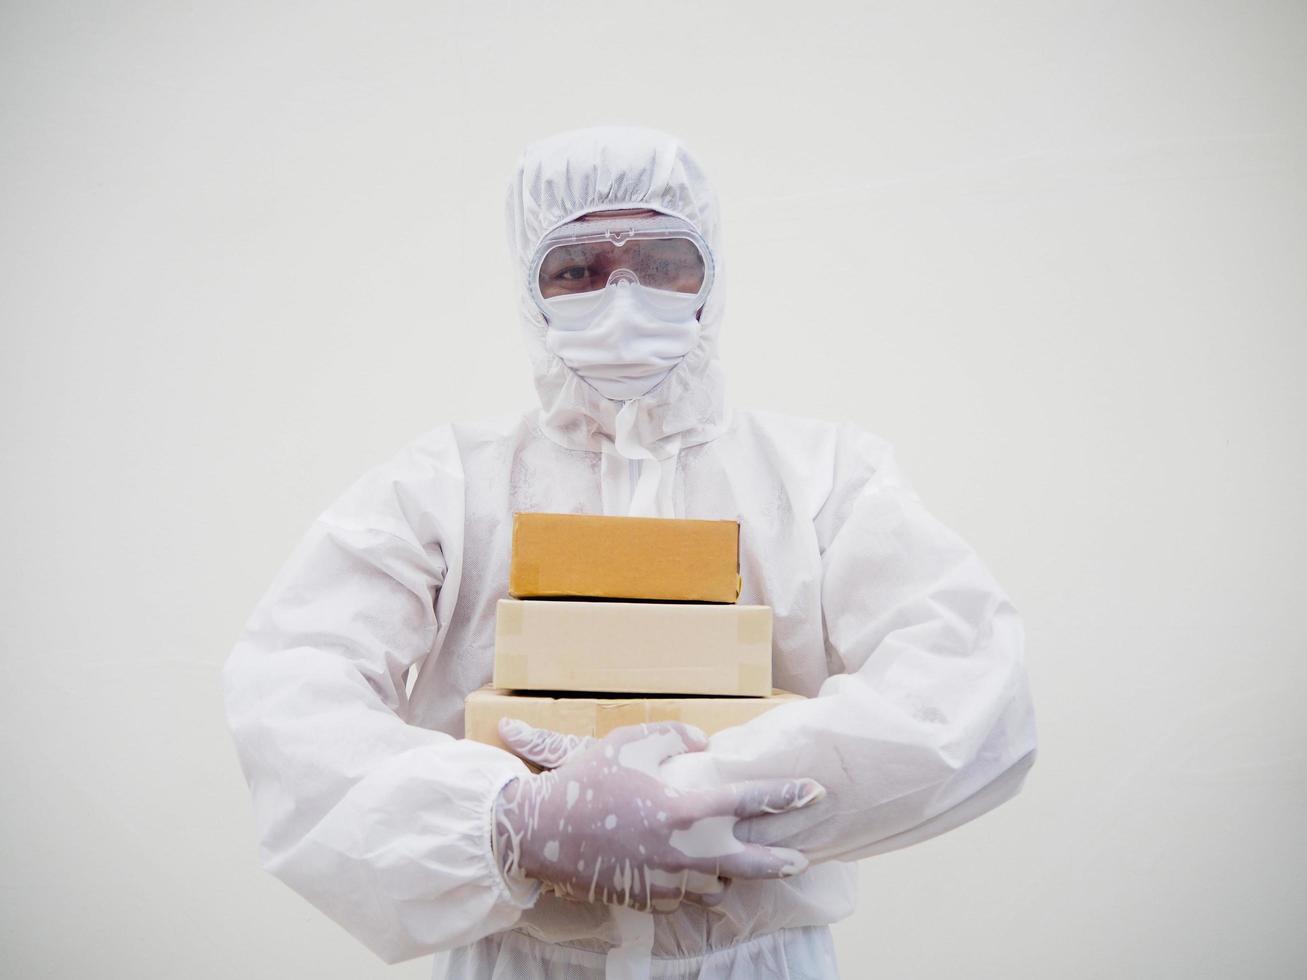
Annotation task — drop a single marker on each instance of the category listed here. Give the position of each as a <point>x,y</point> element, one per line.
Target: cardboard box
<point>587,556</point>
<point>581,715</point>
<point>636,647</point>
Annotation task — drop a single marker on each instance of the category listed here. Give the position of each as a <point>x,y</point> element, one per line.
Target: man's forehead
<point>620,213</point>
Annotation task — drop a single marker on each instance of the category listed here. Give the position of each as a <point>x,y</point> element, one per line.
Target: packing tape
<point>509,616</point>
<point>473,726</point>
<point>511,671</point>
<point>755,679</point>
<point>663,709</point>
<point>753,626</point>
<point>481,720</point>
<point>615,714</point>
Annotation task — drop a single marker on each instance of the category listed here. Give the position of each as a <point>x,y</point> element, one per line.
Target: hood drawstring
<point>633,482</point>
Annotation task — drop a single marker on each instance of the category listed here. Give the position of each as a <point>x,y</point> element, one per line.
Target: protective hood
<point>602,169</point>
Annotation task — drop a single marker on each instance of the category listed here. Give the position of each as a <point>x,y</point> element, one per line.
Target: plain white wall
<point>1055,251</point>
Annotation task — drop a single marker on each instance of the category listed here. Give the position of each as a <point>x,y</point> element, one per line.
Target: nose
<point>623,277</point>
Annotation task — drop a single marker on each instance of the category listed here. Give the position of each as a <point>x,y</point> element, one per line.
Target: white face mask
<point>626,346</point>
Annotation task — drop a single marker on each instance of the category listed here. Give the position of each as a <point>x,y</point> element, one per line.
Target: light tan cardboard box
<point>589,556</point>
<point>632,647</point>
<point>581,715</point>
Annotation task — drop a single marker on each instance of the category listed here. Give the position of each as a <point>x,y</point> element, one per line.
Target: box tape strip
<point>753,626</point>
<point>508,617</point>
<point>510,672</point>
<point>755,679</point>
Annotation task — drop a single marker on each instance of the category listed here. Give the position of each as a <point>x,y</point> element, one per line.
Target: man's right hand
<point>600,825</point>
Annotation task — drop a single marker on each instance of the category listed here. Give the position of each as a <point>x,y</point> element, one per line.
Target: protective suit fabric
<point>789,954</point>
<point>370,804</point>
<point>383,825</point>
<point>345,692</point>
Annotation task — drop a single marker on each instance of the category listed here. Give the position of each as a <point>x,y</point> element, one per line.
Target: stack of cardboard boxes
<point>621,620</point>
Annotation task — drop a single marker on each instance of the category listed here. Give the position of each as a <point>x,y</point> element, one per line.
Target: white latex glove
<point>600,825</point>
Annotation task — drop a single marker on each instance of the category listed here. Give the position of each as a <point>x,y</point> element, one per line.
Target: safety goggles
<point>576,263</point>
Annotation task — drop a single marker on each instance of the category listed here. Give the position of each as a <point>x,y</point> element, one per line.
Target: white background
<point>1056,252</point>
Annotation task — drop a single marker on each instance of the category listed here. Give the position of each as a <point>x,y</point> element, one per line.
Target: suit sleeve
<point>383,825</point>
<point>928,723</point>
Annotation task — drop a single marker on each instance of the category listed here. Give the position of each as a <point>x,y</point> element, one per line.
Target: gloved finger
<point>709,899</point>
<point>655,891</point>
<point>703,884</point>
<point>671,888</point>
<point>756,861</point>
<point>663,900</point>
<point>645,746</point>
<point>547,749</point>
<point>756,797</point>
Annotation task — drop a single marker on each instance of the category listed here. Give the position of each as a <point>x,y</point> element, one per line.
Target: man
<point>371,805</point>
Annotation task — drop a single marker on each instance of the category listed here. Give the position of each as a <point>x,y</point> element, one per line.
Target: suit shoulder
<point>786,430</point>
<point>810,435</point>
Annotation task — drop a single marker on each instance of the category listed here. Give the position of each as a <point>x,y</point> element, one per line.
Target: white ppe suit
<point>370,804</point>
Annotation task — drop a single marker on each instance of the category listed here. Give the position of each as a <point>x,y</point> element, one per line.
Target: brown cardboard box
<point>581,715</point>
<point>589,556</point>
<point>636,647</point>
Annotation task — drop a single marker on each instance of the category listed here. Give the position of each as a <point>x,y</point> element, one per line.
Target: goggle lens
<point>673,264</point>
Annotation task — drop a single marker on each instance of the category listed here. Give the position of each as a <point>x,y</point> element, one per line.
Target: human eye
<point>566,270</point>
<point>572,273</point>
